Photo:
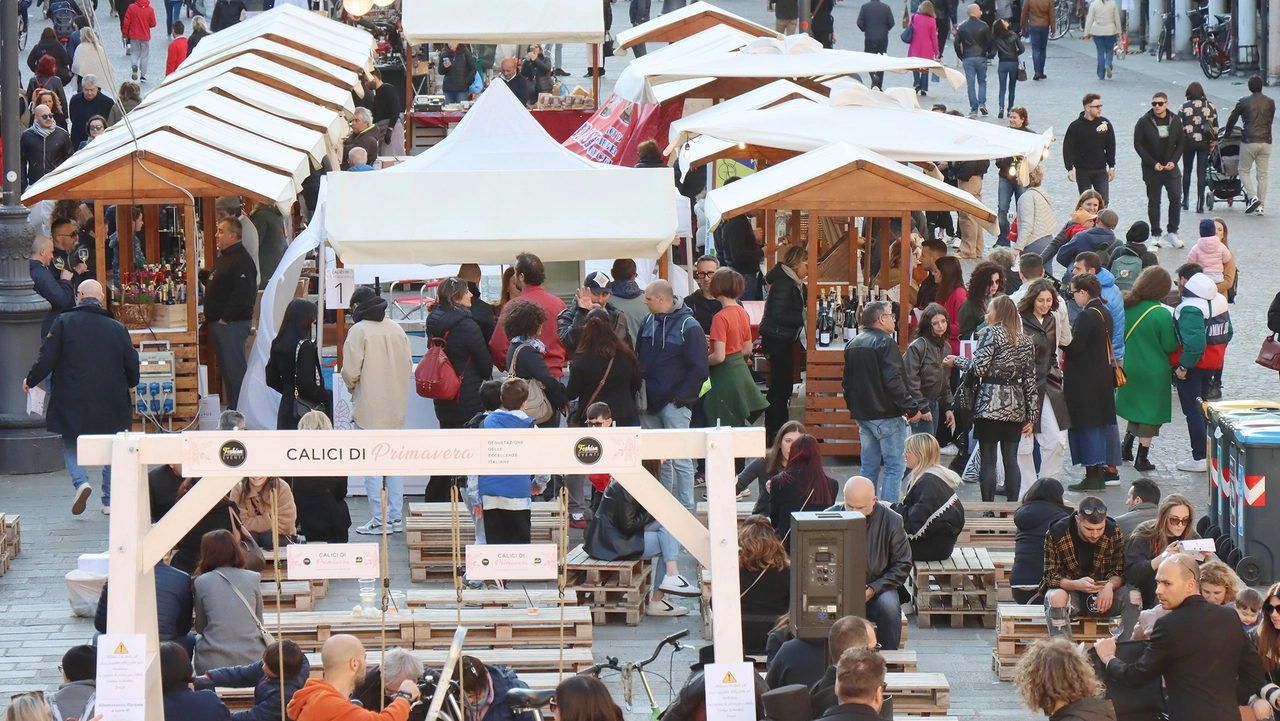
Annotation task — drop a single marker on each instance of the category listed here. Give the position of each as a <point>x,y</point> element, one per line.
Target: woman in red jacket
<point>136,28</point>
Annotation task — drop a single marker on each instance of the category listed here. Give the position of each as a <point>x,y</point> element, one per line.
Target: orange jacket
<point>320,701</point>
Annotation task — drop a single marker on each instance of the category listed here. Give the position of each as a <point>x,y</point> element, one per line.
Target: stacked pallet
<point>429,532</point>
<point>294,596</point>
<point>963,586</point>
<point>610,588</point>
<point>520,660</point>
<point>988,533</point>
<point>10,541</point>
<point>925,694</point>
<point>487,598</point>
<point>742,508</point>
<point>1003,561</point>
<point>434,628</point>
<point>1021,625</point>
<point>319,586</point>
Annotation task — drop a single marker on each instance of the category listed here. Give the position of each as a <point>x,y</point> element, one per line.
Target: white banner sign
<point>410,452</point>
<point>332,560</point>
<point>730,691</point>
<point>121,677</point>
<point>525,562</point>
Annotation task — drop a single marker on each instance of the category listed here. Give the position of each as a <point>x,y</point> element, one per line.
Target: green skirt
<point>733,399</point>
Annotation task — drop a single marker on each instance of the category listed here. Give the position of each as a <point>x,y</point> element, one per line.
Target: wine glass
<point>1116,626</point>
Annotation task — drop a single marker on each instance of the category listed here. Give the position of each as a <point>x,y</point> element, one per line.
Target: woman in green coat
<point>1149,338</point>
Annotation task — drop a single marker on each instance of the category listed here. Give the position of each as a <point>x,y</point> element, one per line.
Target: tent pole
<point>342,312</point>
<point>904,284</point>
<point>100,246</point>
<point>189,230</point>
<point>595,74</point>
<point>408,96</point>
<point>811,326</point>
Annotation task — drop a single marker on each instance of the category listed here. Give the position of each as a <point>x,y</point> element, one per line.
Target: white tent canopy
<point>889,124</point>
<point>273,51</point>
<point>772,94</point>
<point>260,69</point>
<point>335,42</point>
<point>812,169</point>
<point>684,22</point>
<point>503,21</point>
<point>796,56</point>
<point>498,145</point>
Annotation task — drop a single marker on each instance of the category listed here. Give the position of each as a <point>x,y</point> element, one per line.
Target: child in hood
<point>264,677</point>
<point>1209,251</point>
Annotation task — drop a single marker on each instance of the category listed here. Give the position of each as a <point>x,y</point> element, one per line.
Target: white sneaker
<point>665,608</point>
<point>82,498</point>
<point>1191,465</point>
<point>949,450</point>
<point>396,526</point>
<point>106,510</point>
<point>372,528</point>
<point>676,585</point>
<point>1173,240</point>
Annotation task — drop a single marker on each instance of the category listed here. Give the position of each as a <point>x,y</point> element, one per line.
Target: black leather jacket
<point>1257,111</point>
<point>1007,46</point>
<point>888,550</point>
<point>616,532</point>
<point>874,384</point>
<point>973,39</point>
<point>783,319</point>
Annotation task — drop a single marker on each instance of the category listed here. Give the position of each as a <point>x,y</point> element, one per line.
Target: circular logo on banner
<point>587,451</point>
<point>232,454</point>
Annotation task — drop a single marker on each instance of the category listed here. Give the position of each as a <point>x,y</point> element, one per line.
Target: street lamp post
<point>26,446</point>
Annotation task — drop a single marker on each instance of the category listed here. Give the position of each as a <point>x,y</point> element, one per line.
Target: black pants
<point>1095,178</point>
<point>944,33</point>
<point>876,46</point>
<point>987,470</point>
<point>1194,154</point>
<point>1169,181</point>
<point>781,373</point>
<point>506,526</point>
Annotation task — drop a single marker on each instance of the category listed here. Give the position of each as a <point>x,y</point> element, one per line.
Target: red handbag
<point>1269,355</point>
<point>435,377</point>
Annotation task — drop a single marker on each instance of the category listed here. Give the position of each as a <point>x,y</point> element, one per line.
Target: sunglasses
<point>1096,107</point>
<point>1158,103</point>
<point>37,694</point>
<point>1273,608</point>
<point>1094,514</point>
<point>599,423</point>
<point>1180,522</point>
<point>46,116</point>
<point>95,127</point>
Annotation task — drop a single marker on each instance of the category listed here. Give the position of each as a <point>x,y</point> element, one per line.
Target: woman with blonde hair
<point>252,497</point>
<point>764,577</point>
<point>1218,583</point>
<point>1054,678</point>
<point>1006,407</point>
<point>782,328</point>
<point>1083,216</point>
<point>930,509</point>
<point>30,706</point>
<point>91,59</point>
<point>1155,540</point>
<point>1036,218</point>
<point>323,515</point>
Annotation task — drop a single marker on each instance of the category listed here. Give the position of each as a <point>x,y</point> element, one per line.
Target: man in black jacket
<point>700,301</point>
<point>875,20</point>
<point>593,294</point>
<point>860,676</point>
<point>229,295</point>
<point>1089,148</point>
<point>849,632</point>
<point>1158,139</point>
<point>90,101</point>
<point>58,291</point>
<point>387,106</point>
<point>175,605</point>
<point>44,146</point>
<point>888,559</point>
<point>876,395</point>
<point>517,83</point>
<point>481,312</point>
<point>973,47</point>
<point>94,364</point>
<point>1257,111</point>
<point>1209,666</point>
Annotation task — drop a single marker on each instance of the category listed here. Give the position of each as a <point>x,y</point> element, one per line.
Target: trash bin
<point>1255,528</point>
<point>1225,460</point>
<point>1216,413</point>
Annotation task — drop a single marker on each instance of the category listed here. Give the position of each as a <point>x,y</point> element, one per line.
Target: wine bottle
<point>851,316</point>
<point>824,323</point>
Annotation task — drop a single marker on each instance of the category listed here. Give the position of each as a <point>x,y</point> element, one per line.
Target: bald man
<point>94,365</point>
<point>888,558</point>
<point>345,665</point>
<point>1209,666</point>
<point>673,363</point>
<point>517,83</point>
<point>55,287</point>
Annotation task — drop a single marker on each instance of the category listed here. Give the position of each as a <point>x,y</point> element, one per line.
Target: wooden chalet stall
<point>843,183</point>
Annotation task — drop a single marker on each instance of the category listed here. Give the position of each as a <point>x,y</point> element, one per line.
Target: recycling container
<point>1229,452</point>
<point>1255,527</point>
<point>1215,414</point>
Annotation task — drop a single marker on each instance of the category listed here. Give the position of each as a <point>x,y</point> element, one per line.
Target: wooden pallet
<point>610,588</point>
<point>429,536</point>
<point>959,587</point>
<point>424,510</point>
<point>1003,561</point>
<point>319,586</point>
<point>926,694</point>
<point>433,628</point>
<point>1002,509</point>
<point>988,533</point>
<point>186,353</point>
<point>1021,625</point>
<point>294,596</point>
<point>506,598</point>
<point>12,534</point>
<point>522,660</point>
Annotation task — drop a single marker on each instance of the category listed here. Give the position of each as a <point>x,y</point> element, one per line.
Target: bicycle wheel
<point>1210,59</point>
<point>22,33</point>
<point>1062,20</point>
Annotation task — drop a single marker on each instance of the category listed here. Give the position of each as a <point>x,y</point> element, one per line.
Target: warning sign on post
<point>730,689</point>
<point>121,677</point>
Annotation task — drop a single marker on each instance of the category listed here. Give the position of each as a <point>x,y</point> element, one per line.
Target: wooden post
<point>595,74</point>
<point>770,237</point>
<point>100,245</point>
<point>904,284</point>
<point>209,215</point>
<point>664,264</point>
<point>793,228</point>
<point>884,248</point>
<point>193,289</point>
<point>853,255</point>
<point>151,220</point>
<point>124,236</point>
<point>408,104</point>
<point>811,326</point>
<point>342,312</point>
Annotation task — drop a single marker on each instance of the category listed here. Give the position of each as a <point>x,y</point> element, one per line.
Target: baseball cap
<point>597,282</point>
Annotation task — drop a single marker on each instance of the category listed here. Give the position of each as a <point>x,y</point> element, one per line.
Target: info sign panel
<point>523,562</point>
<point>332,560</point>
<point>410,452</point>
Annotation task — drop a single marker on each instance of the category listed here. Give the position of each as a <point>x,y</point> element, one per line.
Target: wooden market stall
<point>684,22</point>
<point>844,183</point>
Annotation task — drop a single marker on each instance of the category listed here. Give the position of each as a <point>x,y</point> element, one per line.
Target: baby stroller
<point>1222,179</point>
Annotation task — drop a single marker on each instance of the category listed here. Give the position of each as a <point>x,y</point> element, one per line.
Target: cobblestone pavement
<point>37,627</point>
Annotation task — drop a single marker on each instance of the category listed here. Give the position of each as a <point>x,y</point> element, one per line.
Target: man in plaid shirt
<point>1083,567</point>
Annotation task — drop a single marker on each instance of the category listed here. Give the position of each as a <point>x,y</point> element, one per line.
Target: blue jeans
<point>677,474</point>
<point>1039,46</point>
<point>1105,45</point>
<point>921,79</point>
<point>172,12</point>
<point>1007,70</point>
<point>1195,386</point>
<point>79,476</point>
<point>930,427</point>
<point>395,496</point>
<point>975,79</point>
<point>882,441</point>
<point>456,97</point>
<point>1010,191</point>
<point>885,611</point>
<point>659,542</point>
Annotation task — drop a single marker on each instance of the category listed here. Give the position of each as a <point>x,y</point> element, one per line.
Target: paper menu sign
<point>730,691</point>
<point>338,284</point>
<point>122,677</point>
<point>1205,545</point>
<point>35,401</point>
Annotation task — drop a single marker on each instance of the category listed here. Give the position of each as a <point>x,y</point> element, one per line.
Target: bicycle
<point>25,6</point>
<point>1164,46</point>
<point>520,700</point>
<point>1214,48</point>
<point>1068,13</point>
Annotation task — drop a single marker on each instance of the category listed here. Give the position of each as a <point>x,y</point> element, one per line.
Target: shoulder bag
<point>537,407</point>
<point>577,409</point>
<point>302,406</point>
<point>1135,325</point>
<point>267,638</point>
<point>254,558</point>
<point>435,376</point>
<point>1269,355</point>
<point>1121,378</point>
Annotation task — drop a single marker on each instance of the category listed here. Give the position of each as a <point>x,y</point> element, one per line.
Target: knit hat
<point>1139,232</point>
<point>1207,228</point>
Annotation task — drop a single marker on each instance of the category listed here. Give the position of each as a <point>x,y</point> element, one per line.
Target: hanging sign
<point>730,691</point>
<point>522,562</point>
<point>332,560</point>
<point>338,284</point>
<point>121,677</point>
